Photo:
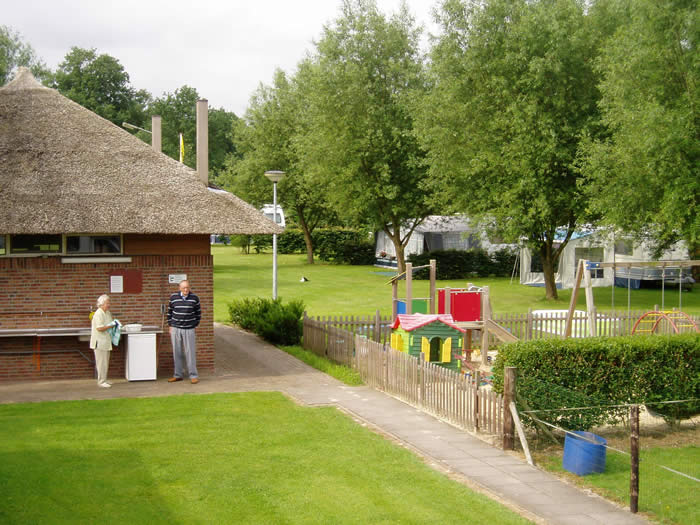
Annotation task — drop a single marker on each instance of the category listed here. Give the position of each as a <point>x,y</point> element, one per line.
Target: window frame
<point>63,251</point>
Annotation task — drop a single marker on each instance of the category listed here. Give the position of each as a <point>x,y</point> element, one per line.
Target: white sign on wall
<point>116,284</point>
<point>176,278</point>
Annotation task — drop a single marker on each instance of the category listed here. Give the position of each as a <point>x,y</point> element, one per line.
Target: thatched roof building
<point>65,169</point>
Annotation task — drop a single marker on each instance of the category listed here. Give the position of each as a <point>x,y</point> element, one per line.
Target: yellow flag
<point>182,149</point>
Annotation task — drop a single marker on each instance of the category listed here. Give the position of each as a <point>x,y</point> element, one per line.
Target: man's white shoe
<point>105,385</point>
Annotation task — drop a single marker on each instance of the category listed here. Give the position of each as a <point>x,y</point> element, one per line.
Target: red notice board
<point>133,280</point>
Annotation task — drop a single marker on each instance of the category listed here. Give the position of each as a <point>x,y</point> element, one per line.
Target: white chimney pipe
<point>203,140</point>
<point>156,141</point>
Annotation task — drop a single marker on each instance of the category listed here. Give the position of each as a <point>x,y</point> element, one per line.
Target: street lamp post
<point>274,177</point>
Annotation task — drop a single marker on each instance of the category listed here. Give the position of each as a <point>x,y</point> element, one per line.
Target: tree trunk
<point>398,248</point>
<point>550,284</point>
<point>307,238</point>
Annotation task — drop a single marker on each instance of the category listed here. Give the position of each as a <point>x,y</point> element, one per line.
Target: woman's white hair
<point>102,299</point>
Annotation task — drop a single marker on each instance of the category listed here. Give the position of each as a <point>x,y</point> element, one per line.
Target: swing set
<point>654,321</point>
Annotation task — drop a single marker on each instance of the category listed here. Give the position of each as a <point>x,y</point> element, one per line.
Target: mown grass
<point>358,290</point>
<point>663,495</point>
<point>342,373</point>
<point>222,458</point>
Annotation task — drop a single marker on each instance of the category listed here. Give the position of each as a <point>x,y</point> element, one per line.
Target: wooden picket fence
<point>552,325</point>
<point>450,395</point>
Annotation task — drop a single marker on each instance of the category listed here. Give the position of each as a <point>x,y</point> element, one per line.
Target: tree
<point>513,91</point>
<point>15,53</point>
<point>178,111</point>
<point>100,84</point>
<point>268,138</point>
<point>221,144</point>
<point>368,74</point>
<point>644,177</point>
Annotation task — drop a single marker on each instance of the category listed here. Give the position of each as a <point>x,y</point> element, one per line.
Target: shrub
<point>291,241</point>
<point>462,264</point>
<point>556,373</point>
<point>272,320</point>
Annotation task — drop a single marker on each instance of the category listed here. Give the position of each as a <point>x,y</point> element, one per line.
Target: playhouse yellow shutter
<point>425,347</point>
<point>447,350</point>
<point>393,340</point>
<point>399,342</point>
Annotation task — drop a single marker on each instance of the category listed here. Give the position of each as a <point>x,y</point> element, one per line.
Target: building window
<point>624,248</point>
<point>91,244</point>
<point>20,244</point>
<point>592,255</point>
<point>2,245</point>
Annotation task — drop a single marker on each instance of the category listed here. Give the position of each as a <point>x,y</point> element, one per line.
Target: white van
<point>268,211</point>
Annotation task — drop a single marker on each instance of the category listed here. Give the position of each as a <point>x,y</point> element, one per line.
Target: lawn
<point>360,290</point>
<point>222,458</point>
<point>668,497</point>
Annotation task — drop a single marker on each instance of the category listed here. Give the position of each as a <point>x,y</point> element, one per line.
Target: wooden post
<point>634,459</point>
<point>528,331</point>
<point>521,433</point>
<point>433,274</point>
<point>477,383</point>
<point>409,288</point>
<point>485,315</point>
<point>421,371</point>
<point>448,296</point>
<point>508,398</point>
<point>378,327</point>
<point>394,299</point>
<point>484,345</point>
<point>574,298</point>
<point>590,304</point>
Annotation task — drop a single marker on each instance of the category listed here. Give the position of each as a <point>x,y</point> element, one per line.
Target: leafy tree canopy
<point>369,72</point>
<point>178,111</point>
<point>513,91</point>
<point>267,139</point>
<point>14,52</point>
<point>100,84</point>
<point>644,176</point>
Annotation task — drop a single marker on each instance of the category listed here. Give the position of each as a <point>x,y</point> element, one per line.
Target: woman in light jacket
<point>100,339</point>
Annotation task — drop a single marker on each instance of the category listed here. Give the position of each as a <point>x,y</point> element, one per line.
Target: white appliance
<point>140,357</point>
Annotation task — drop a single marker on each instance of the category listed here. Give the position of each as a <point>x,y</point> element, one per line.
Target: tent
<point>599,245</point>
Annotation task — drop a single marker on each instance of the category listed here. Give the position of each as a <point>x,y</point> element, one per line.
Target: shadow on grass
<point>79,486</point>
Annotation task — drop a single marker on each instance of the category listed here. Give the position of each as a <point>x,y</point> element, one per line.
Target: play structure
<point>664,322</point>
<point>467,310</point>
<point>435,336</point>
<point>656,321</point>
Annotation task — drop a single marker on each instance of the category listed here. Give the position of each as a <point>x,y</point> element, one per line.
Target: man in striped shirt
<point>184,314</point>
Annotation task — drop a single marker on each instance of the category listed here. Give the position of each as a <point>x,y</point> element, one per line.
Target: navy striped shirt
<point>184,312</point>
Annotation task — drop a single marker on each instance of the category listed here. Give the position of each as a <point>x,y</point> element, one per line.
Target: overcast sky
<point>222,48</point>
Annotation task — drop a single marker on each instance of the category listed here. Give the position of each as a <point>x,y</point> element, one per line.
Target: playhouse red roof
<point>411,322</point>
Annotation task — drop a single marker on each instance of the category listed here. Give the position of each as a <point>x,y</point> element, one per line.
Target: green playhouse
<point>436,336</point>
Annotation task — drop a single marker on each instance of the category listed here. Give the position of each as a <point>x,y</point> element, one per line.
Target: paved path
<point>245,363</point>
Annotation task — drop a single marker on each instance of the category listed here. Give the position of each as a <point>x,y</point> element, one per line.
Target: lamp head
<point>274,176</point>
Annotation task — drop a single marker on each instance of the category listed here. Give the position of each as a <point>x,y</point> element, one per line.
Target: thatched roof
<point>64,169</point>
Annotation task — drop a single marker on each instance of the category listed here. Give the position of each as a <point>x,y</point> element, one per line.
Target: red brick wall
<point>45,293</point>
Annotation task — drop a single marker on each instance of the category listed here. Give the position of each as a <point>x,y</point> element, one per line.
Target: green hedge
<point>271,319</point>
<point>462,264</point>
<point>557,373</point>
<point>339,245</point>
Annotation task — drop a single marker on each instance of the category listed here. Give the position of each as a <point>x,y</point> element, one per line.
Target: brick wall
<point>42,292</point>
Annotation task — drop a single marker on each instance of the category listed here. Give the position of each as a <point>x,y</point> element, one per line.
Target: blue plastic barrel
<point>585,454</point>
